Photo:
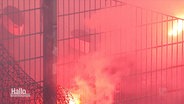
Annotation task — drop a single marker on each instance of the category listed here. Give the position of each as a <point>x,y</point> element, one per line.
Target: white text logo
<point>19,92</point>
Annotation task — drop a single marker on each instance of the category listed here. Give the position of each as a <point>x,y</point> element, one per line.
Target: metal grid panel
<point>23,53</point>
<point>26,48</point>
<point>153,40</point>
<point>13,76</point>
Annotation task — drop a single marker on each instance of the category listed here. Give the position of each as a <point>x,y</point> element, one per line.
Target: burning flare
<point>75,99</point>
<point>177,28</point>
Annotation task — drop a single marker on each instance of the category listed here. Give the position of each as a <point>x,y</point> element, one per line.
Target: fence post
<point>49,51</point>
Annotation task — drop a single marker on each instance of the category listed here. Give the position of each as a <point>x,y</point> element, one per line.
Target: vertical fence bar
<point>136,48</point>
<point>151,62</point>
<point>146,84</point>
<point>162,56</point>
<point>172,51</point>
<point>166,64</point>
<point>49,50</point>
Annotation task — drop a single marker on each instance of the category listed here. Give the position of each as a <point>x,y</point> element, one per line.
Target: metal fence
<point>107,52</point>
<point>149,43</point>
<point>21,52</point>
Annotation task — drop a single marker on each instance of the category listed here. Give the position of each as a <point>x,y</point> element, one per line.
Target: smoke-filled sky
<point>171,7</point>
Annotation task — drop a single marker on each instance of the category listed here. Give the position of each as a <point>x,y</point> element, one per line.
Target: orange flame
<point>76,99</point>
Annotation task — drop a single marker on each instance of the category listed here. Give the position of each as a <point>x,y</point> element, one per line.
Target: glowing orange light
<point>177,28</point>
<point>75,100</point>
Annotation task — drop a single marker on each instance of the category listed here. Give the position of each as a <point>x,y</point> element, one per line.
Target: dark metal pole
<point>49,50</point>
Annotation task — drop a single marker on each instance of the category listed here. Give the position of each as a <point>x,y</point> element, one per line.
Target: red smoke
<point>97,77</point>
<point>100,76</point>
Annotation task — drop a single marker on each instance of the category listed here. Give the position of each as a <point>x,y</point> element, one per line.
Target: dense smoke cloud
<point>97,77</point>
<point>141,73</point>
